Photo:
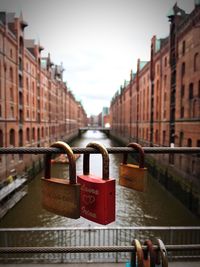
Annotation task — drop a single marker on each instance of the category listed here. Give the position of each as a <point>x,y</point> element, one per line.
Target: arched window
<point>196,62</point>
<point>1,138</point>
<point>38,134</point>
<point>191,91</point>
<point>33,133</point>
<point>183,48</point>
<point>27,134</point>
<point>183,69</point>
<point>12,137</point>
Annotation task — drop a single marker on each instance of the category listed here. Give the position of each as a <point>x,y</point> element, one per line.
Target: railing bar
<point>111,150</point>
<point>94,249</point>
<point>103,228</point>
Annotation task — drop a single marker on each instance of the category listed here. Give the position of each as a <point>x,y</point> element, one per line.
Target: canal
<point>154,207</point>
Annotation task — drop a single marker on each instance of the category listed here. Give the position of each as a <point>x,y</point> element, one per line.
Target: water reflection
<point>155,207</point>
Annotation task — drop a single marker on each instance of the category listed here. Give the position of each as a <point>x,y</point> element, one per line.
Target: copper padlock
<point>97,193</point>
<point>133,176</point>
<point>61,196</point>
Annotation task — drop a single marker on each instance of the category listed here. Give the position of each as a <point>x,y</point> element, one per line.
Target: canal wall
<point>170,177</point>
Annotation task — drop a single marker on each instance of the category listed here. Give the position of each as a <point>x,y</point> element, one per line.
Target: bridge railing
<point>78,245</point>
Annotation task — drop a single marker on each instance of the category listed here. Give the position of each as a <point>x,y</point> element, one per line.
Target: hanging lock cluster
<point>88,195</point>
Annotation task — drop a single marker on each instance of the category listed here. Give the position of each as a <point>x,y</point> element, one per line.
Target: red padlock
<point>97,194</point>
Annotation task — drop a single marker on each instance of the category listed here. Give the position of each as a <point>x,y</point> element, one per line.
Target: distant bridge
<point>94,128</point>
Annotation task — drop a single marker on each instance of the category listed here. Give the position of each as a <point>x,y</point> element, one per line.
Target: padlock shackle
<point>105,160</point>
<point>141,154</point>
<point>71,158</point>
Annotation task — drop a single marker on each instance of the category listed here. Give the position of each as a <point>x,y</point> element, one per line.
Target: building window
<point>0,111</point>
<point>165,81</point>
<point>189,143</point>
<point>27,113</point>
<point>156,137</point>
<point>196,62</point>
<point>198,143</point>
<point>182,91</point>
<point>11,111</point>
<point>11,74</point>
<point>191,91</point>
<point>173,77</point>
<point>11,53</point>
<point>181,139</point>
<point>33,87</point>
<point>20,81</point>
<point>183,48</point>
<point>165,62</point>
<point>42,132</point>
<point>33,134</point>
<point>183,69</point>
<point>12,137</point>
<point>20,138</point>
<point>165,96</point>
<point>164,137</point>
<point>20,116</point>
<point>27,135</point>
<point>20,98</point>
<point>11,94</point>
<point>182,112</point>
<point>1,138</point>
<point>21,45</point>
<point>27,84</point>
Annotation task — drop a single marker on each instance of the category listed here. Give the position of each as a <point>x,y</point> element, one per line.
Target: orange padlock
<point>133,176</point>
<point>97,194</point>
<point>61,196</point>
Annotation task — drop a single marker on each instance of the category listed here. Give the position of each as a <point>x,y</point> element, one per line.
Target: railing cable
<point>95,249</point>
<point>111,150</point>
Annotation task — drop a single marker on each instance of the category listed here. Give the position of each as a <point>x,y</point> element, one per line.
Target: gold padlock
<point>61,196</point>
<point>133,176</point>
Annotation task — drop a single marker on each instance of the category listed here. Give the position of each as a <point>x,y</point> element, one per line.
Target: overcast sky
<point>98,41</point>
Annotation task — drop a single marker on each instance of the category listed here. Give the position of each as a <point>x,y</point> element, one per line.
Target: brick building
<point>36,107</point>
<point>160,105</point>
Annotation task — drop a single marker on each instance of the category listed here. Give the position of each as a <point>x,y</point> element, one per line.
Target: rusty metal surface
<point>131,176</point>
<point>140,150</point>
<point>61,196</point>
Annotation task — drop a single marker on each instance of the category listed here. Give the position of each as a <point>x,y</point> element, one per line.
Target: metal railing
<point>93,244</point>
<point>111,150</point>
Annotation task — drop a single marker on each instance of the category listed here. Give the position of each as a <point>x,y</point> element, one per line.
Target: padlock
<point>133,176</point>
<point>61,196</point>
<point>97,194</point>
